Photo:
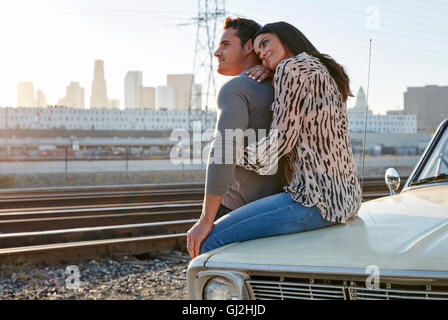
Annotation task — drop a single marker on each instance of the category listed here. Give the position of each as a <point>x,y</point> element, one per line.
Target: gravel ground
<point>161,278</point>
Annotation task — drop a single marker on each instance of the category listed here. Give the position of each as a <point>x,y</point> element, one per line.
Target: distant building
<point>393,122</point>
<point>361,103</point>
<point>74,96</point>
<point>196,97</point>
<point>399,144</point>
<point>395,112</point>
<point>165,98</point>
<point>103,119</point>
<point>26,97</point>
<point>148,97</point>
<point>98,98</point>
<point>180,93</point>
<point>429,103</point>
<point>132,89</point>
<point>382,123</point>
<point>41,100</point>
<point>25,94</point>
<point>113,104</point>
<point>182,83</point>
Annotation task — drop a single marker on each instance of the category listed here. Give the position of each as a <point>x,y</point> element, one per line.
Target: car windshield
<point>436,167</point>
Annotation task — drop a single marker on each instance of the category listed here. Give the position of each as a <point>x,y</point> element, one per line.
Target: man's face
<point>231,56</point>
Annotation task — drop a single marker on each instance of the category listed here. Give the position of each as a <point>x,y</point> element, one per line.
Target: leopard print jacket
<point>309,128</point>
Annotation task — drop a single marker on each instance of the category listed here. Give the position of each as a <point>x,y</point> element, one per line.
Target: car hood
<point>408,231</point>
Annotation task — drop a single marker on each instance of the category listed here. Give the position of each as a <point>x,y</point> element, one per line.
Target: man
<point>242,104</point>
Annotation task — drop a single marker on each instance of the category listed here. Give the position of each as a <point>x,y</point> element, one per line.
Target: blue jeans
<point>274,215</point>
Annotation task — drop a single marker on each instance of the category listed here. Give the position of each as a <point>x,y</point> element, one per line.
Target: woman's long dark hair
<point>296,42</point>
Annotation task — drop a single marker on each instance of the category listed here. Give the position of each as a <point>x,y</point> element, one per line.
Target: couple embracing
<point>299,95</point>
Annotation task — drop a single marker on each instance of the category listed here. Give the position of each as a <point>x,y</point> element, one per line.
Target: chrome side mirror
<point>392,179</point>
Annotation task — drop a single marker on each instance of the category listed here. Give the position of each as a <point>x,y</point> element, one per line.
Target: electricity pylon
<point>210,14</point>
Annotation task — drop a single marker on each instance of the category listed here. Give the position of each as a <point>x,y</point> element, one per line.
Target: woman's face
<point>270,50</point>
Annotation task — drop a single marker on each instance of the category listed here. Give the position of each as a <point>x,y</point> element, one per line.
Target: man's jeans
<point>274,215</point>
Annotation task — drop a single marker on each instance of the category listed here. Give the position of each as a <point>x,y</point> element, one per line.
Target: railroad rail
<point>71,224</point>
<point>11,199</point>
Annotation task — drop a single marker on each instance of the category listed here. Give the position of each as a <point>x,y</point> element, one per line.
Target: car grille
<point>359,293</point>
<point>274,288</point>
<point>265,290</point>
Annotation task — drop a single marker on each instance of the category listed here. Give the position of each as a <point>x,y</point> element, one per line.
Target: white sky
<point>53,42</point>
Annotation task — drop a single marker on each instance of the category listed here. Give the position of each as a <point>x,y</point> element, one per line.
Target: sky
<point>53,42</point>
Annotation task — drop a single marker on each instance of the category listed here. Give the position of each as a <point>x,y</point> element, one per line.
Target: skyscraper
<point>148,97</point>
<point>74,96</point>
<point>165,98</point>
<point>41,100</point>
<point>98,98</point>
<point>429,103</point>
<point>182,83</point>
<point>25,94</point>
<point>132,89</point>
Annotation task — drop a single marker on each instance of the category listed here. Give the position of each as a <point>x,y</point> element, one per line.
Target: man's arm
<point>210,207</point>
<point>233,113</point>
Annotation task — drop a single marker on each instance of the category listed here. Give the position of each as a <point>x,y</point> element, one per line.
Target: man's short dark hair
<point>246,29</point>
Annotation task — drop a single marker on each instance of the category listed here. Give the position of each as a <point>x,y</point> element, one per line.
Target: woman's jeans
<point>274,215</point>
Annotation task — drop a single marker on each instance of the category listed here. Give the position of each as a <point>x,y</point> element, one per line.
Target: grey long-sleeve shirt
<point>242,104</point>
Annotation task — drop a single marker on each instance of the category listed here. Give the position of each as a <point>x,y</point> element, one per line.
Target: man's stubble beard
<point>240,60</point>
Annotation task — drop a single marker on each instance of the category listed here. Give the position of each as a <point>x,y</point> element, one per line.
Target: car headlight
<point>219,288</point>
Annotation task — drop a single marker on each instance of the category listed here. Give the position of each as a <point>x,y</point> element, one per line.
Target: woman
<point>309,128</point>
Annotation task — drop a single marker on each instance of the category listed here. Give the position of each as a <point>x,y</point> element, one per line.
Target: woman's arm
<point>293,97</point>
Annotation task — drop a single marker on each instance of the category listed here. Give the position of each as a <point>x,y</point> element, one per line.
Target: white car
<point>395,248</point>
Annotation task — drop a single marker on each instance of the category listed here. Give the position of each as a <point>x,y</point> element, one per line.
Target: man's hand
<point>196,235</point>
<point>260,73</point>
<point>204,226</point>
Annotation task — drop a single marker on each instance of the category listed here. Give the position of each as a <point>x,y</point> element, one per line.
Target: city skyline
<point>423,109</point>
<point>409,46</point>
<point>135,93</point>
<point>179,89</point>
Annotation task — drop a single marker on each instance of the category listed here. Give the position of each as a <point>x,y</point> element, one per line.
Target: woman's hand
<point>196,235</point>
<point>260,73</point>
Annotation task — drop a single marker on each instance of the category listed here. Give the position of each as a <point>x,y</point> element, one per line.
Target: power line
<point>426,32</point>
<point>115,11</point>
<point>125,14</point>
<point>415,18</point>
<point>401,53</point>
<point>346,27</point>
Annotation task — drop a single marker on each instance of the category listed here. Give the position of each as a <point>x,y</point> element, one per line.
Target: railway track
<point>113,195</point>
<point>73,224</point>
